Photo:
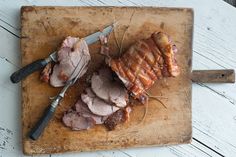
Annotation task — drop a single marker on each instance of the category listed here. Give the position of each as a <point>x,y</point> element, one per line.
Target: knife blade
<point>41,63</point>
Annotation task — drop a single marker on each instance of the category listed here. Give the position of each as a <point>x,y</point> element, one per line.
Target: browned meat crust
<point>119,116</point>
<point>144,62</point>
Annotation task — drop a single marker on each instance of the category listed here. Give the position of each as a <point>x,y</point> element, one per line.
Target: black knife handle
<point>42,123</point>
<point>27,70</point>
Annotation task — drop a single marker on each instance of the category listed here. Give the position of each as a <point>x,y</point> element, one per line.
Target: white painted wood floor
<point>213,105</point>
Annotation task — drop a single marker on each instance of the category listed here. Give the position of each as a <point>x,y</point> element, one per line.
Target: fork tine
<point>78,74</point>
<point>75,68</point>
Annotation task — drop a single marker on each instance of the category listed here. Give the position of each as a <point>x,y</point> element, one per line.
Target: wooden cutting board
<point>43,30</point>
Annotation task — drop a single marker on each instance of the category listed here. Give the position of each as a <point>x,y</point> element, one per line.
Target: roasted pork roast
<point>144,62</point>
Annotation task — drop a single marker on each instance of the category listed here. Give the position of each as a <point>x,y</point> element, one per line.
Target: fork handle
<point>43,122</point>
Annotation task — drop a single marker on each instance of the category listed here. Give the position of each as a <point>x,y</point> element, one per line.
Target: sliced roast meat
<point>108,89</point>
<point>82,109</point>
<point>119,116</point>
<point>101,83</point>
<point>72,52</point>
<point>76,122</point>
<point>118,94</point>
<point>97,105</point>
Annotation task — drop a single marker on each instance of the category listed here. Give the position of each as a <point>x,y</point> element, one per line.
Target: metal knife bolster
<point>53,57</point>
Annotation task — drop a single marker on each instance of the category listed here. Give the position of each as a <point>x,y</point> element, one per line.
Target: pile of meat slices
<point>106,101</point>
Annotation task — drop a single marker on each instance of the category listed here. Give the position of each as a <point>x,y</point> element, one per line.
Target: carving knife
<point>41,63</point>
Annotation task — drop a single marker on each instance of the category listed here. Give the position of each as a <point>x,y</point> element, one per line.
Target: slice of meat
<point>83,110</point>
<point>108,89</point>
<point>72,52</point>
<point>45,74</point>
<point>76,122</point>
<point>144,62</point>
<point>97,105</point>
<point>118,95</point>
<point>119,116</point>
<point>101,83</point>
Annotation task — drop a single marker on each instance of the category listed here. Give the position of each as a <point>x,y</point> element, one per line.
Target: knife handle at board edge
<point>27,70</point>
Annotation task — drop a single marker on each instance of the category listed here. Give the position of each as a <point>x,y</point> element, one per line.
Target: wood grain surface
<point>44,28</point>
<point>213,76</point>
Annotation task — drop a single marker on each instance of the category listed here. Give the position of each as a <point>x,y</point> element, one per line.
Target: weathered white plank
<point>10,104</point>
<point>123,153</point>
<point>193,150</point>
<point>10,112</point>
<point>213,105</point>
<point>213,120</point>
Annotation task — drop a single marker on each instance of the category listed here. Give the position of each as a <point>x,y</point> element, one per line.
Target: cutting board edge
<point>31,8</point>
<point>30,152</point>
<point>138,146</point>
